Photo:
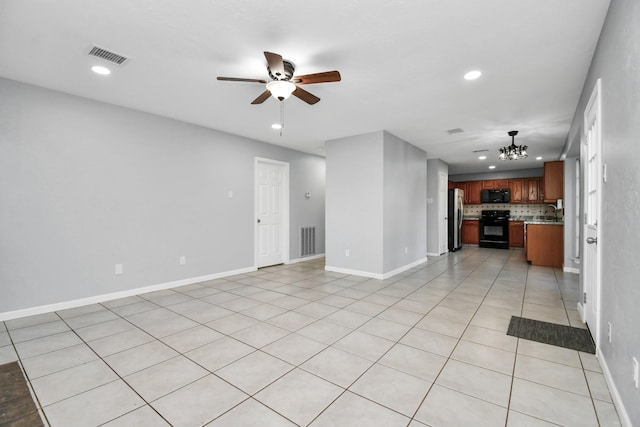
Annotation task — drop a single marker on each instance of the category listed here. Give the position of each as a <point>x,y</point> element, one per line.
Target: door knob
<point>258,220</point>
<point>592,240</point>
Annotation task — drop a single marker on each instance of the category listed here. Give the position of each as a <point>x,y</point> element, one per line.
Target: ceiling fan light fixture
<point>281,89</point>
<point>513,152</point>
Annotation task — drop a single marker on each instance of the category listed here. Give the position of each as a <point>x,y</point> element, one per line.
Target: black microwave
<point>502,195</point>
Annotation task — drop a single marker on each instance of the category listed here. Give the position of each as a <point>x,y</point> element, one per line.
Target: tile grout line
<point>32,391</point>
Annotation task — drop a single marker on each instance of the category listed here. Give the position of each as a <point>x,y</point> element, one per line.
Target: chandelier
<point>513,152</point>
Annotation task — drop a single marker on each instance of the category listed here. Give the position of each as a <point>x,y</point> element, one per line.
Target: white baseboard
<point>571,270</point>
<point>8,315</point>
<point>581,311</point>
<point>307,258</point>
<point>625,420</point>
<point>378,276</point>
<point>435,254</point>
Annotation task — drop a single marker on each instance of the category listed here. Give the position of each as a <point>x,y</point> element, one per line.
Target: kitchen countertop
<point>537,219</point>
<point>529,219</point>
<point>545,222</point>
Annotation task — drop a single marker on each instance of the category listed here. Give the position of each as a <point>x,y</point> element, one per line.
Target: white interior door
<point>272,207</point>
<point>591,153</point>
<point>443,200</point>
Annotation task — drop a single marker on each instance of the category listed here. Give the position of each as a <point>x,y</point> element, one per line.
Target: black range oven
<point>494,229</point>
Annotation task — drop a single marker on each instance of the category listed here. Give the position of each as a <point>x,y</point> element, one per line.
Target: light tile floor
<point>295,345</point>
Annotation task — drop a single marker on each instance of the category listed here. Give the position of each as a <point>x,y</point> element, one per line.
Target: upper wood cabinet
<point>495,183</point>
<point>516,187</point>
<point>472,195</point>
<point>553,181</point>
<point>523,190</point>
<point>531,190</point>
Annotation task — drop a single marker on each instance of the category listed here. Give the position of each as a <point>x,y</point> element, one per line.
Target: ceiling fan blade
<point>263,97</point>
<point>307,97</point>
<point>275,64</point>
<point>239,79</point>
<point>327,76</point>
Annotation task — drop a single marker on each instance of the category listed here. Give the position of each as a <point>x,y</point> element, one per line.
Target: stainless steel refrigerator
<point>455,214</point>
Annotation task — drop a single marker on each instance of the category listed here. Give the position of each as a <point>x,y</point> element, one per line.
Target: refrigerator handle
<point>460,214</point>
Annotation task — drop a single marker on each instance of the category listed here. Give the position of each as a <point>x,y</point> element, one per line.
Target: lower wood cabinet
<point>471,231</point>
<point>545,244</point>
<point>516,234</point>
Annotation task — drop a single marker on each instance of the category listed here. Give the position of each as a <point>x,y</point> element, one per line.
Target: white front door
<point>443,200</point>
<point>272,219</point>
<point>591,153</point>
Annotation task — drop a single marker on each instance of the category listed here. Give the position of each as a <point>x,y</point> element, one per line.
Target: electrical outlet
<point>119,269</point>
<point>183,260</point>
<point>347,252</point>
<point>635,371</point>
<point>609,331</point>
<point>406,250</point>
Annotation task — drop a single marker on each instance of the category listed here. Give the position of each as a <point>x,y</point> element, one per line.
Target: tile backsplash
<point>542,209</point>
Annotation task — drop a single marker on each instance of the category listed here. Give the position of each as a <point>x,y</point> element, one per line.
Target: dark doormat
<point>17,408</point>
<point>552,333</point>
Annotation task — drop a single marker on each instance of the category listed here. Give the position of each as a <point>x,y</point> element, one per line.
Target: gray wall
<point>434,167</point>
<point>405,203</point>
<point>354,204</point>
<point>570,209</point>
<point>85,185</point>
<point>375,203</point>
<point>617,63</point>
<point>518,173</point>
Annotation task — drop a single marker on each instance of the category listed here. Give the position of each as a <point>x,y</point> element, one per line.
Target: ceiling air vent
<point>109,56</point>
<point>456,130</point>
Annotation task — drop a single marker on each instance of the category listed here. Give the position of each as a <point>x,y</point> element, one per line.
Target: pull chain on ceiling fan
<point>283,83</point>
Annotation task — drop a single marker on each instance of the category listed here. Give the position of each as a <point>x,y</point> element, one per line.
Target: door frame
<point>284,200</point>
<point>443,211</point>
<point>592,303</point>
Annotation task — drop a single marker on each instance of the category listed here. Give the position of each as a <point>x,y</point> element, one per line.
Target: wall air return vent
<point>307,241</point>
<point>107,55</point>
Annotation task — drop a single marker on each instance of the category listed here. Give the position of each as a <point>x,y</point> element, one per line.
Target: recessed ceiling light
<point>482,158</point>
<point>472,75</point>
<point>492,167</point>
<point>98,69</point>
<point>539,158</point>
<point>276,126</point>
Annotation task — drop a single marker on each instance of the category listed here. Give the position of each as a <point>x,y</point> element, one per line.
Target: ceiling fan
<point>283,83</point>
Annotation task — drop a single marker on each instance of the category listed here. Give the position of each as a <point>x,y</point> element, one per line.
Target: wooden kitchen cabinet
<point>517,193</point>
<point>516,234</point>
<point>472,195</point>
<point>495,183</point>
<point>471,231</point>
<point>553,181</point>
<point>545,244</point>
<point>531,190</point>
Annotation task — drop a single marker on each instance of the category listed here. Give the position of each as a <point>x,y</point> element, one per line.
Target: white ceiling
<point>401,62</point>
